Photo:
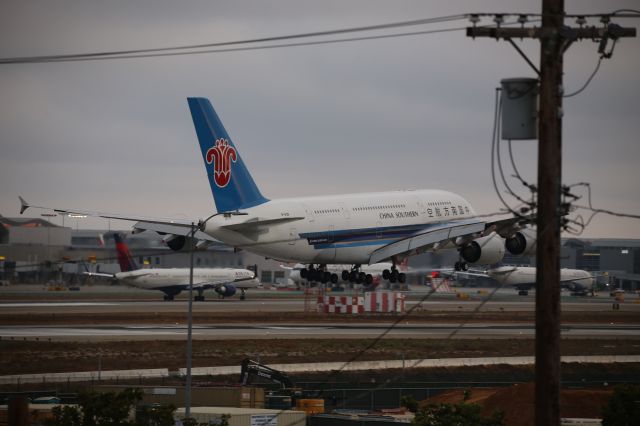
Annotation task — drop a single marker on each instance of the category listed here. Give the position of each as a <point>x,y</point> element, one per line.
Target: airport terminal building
<point>36,250</point>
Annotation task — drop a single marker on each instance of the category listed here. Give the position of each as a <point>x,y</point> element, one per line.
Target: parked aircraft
<point>352,229</point>
<point>523,278</point>
<point>224,281</point>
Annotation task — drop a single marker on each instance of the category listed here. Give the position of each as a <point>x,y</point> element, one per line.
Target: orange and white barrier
<point>384,301</point>
<point>373,301</point>
<point>341,304</point>
<point>441,285</point>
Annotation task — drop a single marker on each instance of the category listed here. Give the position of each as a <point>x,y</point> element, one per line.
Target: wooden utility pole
<point>547,371</point>
<point>555,38</point>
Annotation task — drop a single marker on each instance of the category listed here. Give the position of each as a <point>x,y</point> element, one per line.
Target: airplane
<point>349,229</point>
<point>224,281</point>
<point>523,278</point>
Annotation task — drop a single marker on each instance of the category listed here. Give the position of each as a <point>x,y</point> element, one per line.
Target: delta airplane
<point>224,281</point>
<point>351,229</point>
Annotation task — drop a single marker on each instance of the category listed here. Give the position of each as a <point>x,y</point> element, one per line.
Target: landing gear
<point>355,276</point>
<point>523,293</point>
<point>461,266</point>
<point>243,294</point>
<point>168,297</point>
<point>200,296</point>
<point>318,275</point>
<point>394,275</point>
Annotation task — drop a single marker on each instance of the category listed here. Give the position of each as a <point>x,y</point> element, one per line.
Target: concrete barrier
<point>83,376</point>
<point>304,367</point>
<point>411,363</point>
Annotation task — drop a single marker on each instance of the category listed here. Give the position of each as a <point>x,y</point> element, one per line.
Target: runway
<point>19,300</point>
<point>28,313</point>
<point>295,305</point>
<point>310,331</point>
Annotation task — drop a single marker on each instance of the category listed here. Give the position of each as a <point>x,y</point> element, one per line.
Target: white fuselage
<point>342,229</point>
<point>156,279</point>
<point>526,275</point>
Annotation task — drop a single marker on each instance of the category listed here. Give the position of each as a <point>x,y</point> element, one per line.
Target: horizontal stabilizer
<point>93,213</point>
<point>173,229</point>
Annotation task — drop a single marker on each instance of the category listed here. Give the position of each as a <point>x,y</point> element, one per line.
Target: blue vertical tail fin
<point>231,183</point>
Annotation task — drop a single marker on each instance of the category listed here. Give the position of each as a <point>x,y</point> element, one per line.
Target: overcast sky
<point>410,112</point>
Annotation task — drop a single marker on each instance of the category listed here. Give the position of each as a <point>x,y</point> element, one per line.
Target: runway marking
<point>60,332</point>
<point>293,327</point>
<point>54,304</point>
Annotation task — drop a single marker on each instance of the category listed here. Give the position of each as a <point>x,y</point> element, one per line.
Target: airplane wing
<point>253,227</point>
<point>469,273</point>
<point>208,284</point>
<point>239,283</point>
<point>99,274</point>
<point>426,238</point>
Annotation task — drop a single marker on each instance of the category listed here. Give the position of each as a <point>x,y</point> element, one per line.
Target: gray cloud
<point>411,112</point>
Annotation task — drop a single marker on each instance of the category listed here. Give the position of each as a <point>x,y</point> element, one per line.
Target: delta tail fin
<point>124,255</point>
<point>232,186</point>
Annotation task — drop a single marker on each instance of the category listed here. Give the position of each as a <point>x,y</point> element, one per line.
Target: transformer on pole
<point>519,108</point>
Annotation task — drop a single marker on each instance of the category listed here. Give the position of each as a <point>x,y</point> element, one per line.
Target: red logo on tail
<point>222,154</point>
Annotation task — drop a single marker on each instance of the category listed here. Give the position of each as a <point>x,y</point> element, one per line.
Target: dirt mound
<point>517,402</point>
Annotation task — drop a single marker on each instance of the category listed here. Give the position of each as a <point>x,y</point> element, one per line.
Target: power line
<point>499,157</point>
<point>243,49</point>
<point>390,328</point>
<point>584,86</point>
<point>191,50</point>
<point>195,48</point>
<point>495,153</point>
<point>119,53</point>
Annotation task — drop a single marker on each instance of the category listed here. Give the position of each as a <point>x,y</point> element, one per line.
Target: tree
<point>409,402</point>
<point>623,408</point>
<point>155,415</point>
<point>459,415</point>
<point>111,409</point>
<point>108,408</point>
<point>64,415</point>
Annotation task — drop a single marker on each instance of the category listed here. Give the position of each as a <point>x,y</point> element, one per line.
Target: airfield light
<point>192,247</point>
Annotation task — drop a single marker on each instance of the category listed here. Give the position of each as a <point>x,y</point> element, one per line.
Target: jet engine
<point>522,243</point>
<point>226,290</point>
<point>484,250</point>
<point>180,242</point>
